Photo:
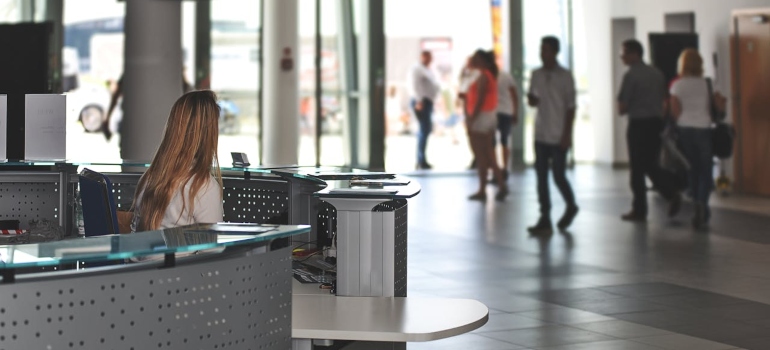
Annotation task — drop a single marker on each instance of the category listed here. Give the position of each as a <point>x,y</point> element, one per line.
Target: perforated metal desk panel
<point>234,294</point>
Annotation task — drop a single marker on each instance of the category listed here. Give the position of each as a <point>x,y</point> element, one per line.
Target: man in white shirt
<point>552,91</point>
<point>507,114</point>
<point>423,87</point>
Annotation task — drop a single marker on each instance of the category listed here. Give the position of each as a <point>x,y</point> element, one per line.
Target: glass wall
<point>451,40</point>
<point>92,64</point>
<point>555,18</point>
<point>10,12</point>
<point>234,76</point>
<point>330,148</point>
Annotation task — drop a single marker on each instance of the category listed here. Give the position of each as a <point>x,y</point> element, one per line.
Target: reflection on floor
<point>604,284</point>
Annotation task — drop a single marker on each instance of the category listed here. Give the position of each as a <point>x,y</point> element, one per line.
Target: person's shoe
<point>424,166</point>
<point>501,194</point>
<point>543,227</point>
<point>675,205</point>
<point>480,196</point>
<point>699,220</point>
<point>633,217</point>
<point>568,217</point>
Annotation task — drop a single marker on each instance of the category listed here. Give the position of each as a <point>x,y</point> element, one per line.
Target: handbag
<point>722,134</point>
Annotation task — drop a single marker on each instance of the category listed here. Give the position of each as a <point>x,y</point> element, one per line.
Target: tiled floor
<point>603,284</point>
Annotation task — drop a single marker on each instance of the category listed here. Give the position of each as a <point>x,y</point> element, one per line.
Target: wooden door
<point>751,101</point>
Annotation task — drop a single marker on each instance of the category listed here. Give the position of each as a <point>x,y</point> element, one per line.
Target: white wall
<point>712,23</point>
<point>598,32</point>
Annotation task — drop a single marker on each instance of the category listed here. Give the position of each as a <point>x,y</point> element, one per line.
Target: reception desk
<point>193,287</point>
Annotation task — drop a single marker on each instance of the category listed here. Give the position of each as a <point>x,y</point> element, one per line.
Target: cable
<point>308,256</point>
<point>304,244</point>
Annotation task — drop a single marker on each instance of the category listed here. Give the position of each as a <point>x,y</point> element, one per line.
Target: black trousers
<point>643,136</point>
<point>548,156</point>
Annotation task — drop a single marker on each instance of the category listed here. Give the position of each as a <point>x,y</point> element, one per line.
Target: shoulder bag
<point>722,134</point>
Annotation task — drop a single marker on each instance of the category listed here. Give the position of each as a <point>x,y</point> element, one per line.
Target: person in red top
<point>481,121</point>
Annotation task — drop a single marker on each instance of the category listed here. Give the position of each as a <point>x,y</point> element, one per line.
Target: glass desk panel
<point>119,247</point>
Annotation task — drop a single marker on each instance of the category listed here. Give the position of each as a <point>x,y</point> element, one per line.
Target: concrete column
<point>280,137</point>
<point>516,63</point>
<point>152,74</point>
<point>371,70</point>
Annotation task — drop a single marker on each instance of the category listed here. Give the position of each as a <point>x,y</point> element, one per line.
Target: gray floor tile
<point>573,296</point>
<point>500,322</point>
<point>661,274</point>
<point>564,315</point>
<point>681,342</point>
<point>725,332</point>
<point>753,344</point>
<point>647,289</point>
<point>512,303</point>
<point>464,342</point>
<point>696,300</point>
<point>548,336</point>
<point>662,319</point>
<point>616,306</point>
<point>620,329</point>
<point>604,345</point>
<point>761,323</point>
<point>743,312</point>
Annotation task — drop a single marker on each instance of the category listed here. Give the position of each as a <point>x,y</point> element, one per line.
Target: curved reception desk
<point>215,286</point>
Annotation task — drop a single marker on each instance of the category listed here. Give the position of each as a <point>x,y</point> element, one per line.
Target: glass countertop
<point>140,244</point>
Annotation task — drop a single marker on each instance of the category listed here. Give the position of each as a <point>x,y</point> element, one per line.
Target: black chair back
<point>98,203</point>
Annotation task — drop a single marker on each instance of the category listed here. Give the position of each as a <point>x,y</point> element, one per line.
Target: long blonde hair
<point>188,152</point>
<point>690,63</point>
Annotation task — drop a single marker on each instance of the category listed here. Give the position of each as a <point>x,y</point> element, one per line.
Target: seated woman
<point>183,185</point>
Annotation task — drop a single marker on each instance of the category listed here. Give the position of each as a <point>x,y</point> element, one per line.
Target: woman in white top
<point>507,116</point>
<point>691,107</point>
<point>183,184</point>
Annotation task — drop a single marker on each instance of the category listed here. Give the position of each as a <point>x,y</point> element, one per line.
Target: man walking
<point>423,87</point>
<point>552,91</point>
<point>643,97</point>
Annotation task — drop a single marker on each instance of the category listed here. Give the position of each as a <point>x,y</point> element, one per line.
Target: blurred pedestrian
<point>480,109</point>
<point>552,91</point>
<point>423,88</point>
<point>642,97</point>
<point>507,115</point>
<point>691,106</point>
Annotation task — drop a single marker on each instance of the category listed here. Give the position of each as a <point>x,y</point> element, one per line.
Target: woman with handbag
<point>693,106</point>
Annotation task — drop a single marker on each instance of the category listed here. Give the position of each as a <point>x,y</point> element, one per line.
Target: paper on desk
<point>383,182</point>
<point>362,190</point>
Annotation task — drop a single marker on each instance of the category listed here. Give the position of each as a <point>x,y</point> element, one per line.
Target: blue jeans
<point>426,126</point>
<point>696,146</point>
<point>547,156</point>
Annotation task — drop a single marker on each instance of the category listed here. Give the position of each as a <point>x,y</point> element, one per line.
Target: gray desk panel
<point>240,300</point>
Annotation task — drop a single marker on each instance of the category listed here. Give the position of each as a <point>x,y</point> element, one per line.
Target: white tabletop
<point>316,316</point>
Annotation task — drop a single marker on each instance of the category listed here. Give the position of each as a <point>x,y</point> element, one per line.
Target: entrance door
<point>751,106</point>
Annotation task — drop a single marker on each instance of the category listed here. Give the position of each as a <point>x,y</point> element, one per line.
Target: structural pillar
<point>516,62</point>
<point>371,70</point>
<point>152,74</point>
<point>203,44</point>
<point>280,137</point>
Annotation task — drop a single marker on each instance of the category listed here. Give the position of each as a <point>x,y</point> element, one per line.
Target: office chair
<point>98,204</point>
